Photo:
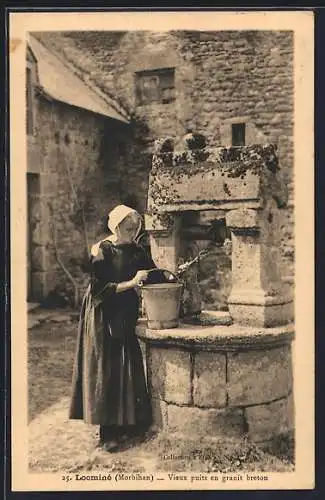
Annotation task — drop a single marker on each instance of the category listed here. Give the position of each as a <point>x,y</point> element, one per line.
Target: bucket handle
<point>165,270</point>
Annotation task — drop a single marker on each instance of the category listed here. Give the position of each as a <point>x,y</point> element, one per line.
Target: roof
<point>61,84</point>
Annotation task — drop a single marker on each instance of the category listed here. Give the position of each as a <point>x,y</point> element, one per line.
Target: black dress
<point>109,386</point>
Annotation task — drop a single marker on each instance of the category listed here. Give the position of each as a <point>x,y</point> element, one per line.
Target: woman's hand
<point>136,281</point>
<point>140,277</point>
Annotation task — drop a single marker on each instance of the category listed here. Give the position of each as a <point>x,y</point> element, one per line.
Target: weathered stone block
<point>36,234</point>
<point>169,375</point>
<point>198,421</point>
<point>206,182</point>
<point>159,413</point>
<point>39,282</point>
<point>259,376</point>
<point>243,218</point>
<point>263,315</point>
<point>267,421</point>
<point>39,258</point>
<point>209,380</point>
<point>164,250</point>
<point>246,264</point>
<point>290,411</point>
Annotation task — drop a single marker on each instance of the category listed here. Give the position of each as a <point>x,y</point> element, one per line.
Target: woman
<point>109,387</point>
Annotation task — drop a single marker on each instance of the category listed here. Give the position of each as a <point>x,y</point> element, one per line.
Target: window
<point>238,134</point>
<point>157,86</point>
<point>29,102</point>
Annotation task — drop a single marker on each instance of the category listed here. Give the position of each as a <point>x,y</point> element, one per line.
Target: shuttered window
<point>238,134</point>
<point>156,86</point>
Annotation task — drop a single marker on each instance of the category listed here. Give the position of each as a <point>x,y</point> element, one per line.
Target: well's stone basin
<point>221,381</point>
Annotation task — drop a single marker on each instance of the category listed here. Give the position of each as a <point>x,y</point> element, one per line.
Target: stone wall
<point>221,78</point>
<point>77,156</point>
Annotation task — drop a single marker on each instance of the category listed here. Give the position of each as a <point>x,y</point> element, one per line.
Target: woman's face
<point>127,230</point>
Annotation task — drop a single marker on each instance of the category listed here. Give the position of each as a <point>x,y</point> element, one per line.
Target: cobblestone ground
<point>57,444</point>
<point>51,345</point>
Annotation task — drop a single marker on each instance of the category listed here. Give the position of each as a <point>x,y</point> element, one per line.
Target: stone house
<point>73,138</point>
<point>235,87</point>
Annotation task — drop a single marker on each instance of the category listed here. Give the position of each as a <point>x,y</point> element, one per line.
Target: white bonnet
<point>115,217</point>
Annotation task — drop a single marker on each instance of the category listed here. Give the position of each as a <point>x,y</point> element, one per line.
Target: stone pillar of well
<point>168,250</point>
<point>164,238</point>
<point>257,297</point>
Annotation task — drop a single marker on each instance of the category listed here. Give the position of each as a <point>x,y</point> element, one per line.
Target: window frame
<point>241,126</point>
<point>161,87</point>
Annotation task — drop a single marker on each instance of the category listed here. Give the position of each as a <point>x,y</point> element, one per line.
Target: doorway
<point>33,229</point>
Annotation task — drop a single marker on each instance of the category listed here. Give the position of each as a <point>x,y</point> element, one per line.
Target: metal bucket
<point>162,304</point>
